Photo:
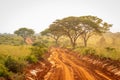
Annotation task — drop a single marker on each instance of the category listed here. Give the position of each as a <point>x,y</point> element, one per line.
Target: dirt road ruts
<point>68,67</point>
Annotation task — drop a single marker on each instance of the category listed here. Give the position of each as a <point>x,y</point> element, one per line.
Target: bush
<point>85,50</point>
<point>14,65</point>
<point>37,51</point>
<point>89,51</point>
<point>3,71</point>
<point>39,44</point>
<point>32,59</point>
<point>2,58</point>
<point>110,49</point>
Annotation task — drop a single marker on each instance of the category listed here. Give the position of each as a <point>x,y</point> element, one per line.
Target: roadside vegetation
<point>12,61</point>
<point>16,55</point>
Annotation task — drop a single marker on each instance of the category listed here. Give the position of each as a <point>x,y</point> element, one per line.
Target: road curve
<point>68,67</point>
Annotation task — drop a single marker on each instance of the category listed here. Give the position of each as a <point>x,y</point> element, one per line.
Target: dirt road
<point>68,67</point>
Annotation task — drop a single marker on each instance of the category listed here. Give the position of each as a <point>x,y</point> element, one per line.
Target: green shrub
<point>14,65</point>
<point>3,71</point>
<point>89,51</point>
<point>37,51</point>
<point>39,44</point>
<point>85,50</point>
<point>110,49</point>
<point>32,59</point>
<point>10,39</point>
<point>2,58</point>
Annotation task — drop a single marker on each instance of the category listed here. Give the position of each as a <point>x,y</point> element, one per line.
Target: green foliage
<point>32,59</point>
<point>74,27</point>
<point>3,71</point>
<point>17,51</point>
<point>92,26</point>
<point>14,65</point>
<point>71,28</point>
<point>40,44</point>
<point>53,31</point>
<point>37,52</point>
<point>107,52</point>
<point>10,39</point>
<point>24,32</point>
<point>2,59</point>
<point>86,50</point>
<point>38,49</point>
<point>110,49</point>
<point>89,51</point>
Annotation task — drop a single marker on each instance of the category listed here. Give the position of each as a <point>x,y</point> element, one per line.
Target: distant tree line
<point>72,27</point>
<point>24,32</point>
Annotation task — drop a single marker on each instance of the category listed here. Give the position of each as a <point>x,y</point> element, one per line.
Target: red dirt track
<point>65,66</point>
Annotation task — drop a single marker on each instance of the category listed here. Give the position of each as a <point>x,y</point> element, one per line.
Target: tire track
<point>68,67</point>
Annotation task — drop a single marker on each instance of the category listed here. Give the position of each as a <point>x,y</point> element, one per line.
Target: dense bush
<point>3,71</point>
<point>86,50</point>
<point>89,51</point>
<point>10,39</point>
<point>32,59</point>
<point>14,65</point>
<point>37,51</point>
<point>2,58</point>
<point>110,49</point>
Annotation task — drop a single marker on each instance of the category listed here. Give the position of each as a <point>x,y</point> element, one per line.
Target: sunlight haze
<point>39,14</point>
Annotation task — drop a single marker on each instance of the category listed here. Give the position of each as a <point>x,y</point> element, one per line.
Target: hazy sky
<point>38,14</point>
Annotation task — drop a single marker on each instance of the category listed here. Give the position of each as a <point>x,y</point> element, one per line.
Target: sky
<point>39,14</point>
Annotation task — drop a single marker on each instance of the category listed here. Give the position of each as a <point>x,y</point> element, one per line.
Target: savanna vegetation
<point>16,54</point>
<point>84,34</point>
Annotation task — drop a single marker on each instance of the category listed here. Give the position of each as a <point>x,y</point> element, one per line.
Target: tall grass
<point>101,52</point>
<point>12,60</point>
<point>113,54</point>
<point>16,51</point>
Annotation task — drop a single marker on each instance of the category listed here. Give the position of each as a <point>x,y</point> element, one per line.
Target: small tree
<point>24,32</point>
<point>71,28</point>
<point>93,25</point>
<point>53,31</point>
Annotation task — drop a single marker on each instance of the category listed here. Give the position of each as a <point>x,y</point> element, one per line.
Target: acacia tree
<point>24,32</point>
<point>53,31</point>
<point>93,25</point>
<point>71,28</point>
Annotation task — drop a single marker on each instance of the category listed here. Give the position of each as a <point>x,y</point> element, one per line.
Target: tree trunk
<point>56,42</point>
<point>85,42</point>
<point>73,43</point>
<point>24,40</point>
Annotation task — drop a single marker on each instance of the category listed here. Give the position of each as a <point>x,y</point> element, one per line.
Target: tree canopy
<point>74,27</point>
<point>93,25</point>
<point>24,32</point>
<point>71,28</point>
<point>53,32</point>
